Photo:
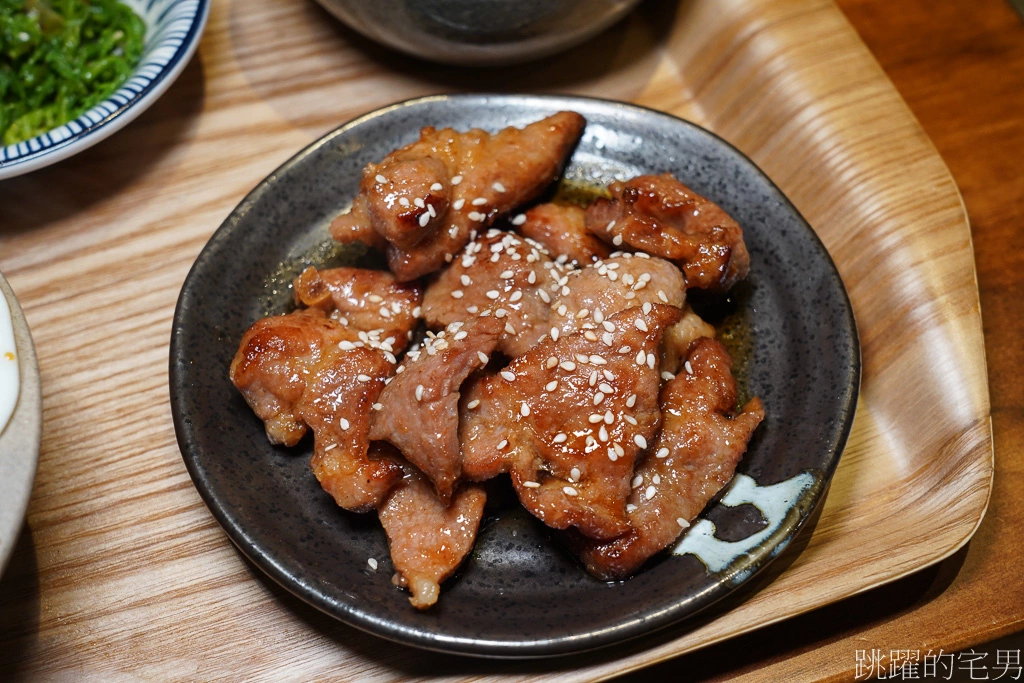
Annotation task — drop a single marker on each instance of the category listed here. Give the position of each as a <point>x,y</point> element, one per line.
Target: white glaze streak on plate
<point>775,502</point>
<point>9,382</point>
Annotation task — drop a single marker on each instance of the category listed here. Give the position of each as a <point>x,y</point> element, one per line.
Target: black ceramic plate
<point>520,594</point>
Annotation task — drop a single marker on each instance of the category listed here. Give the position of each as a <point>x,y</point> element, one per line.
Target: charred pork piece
<point>659,215</point>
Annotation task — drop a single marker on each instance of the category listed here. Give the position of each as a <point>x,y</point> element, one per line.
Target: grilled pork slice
<point>426,198</point>
<point>502,276</point>
<point>591,295</point>
<point>563,232</point>
<point>419,408</point>
<point>568,420</point>
<point>428,539</point>
<point>294,373</point>
<point>701,441</point>
<point>354,225</point>
<point>365,300</point>
<point>659,215</point>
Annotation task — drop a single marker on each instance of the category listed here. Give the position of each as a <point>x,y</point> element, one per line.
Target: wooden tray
<point>122,568</point>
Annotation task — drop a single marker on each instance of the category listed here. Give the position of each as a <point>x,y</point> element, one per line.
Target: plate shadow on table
<point>409,661</point>
<point>109,168</point>
<point>19,607</point>
<point>618,63</point>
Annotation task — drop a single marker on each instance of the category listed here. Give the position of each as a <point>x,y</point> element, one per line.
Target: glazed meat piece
<point>428,197</point>
<point>294,373</point>
<point>498,275</point>
<point>679,337</point>
<point>429,540</point>
<point>661,216</point>
<point>568,420</point>
<point>367,300</point>
<point>354,225</point>
<point>273,364</point>
<point>562,230</point>
<point>588,296</point>
<point>419,409</point>
<point>694,456</point>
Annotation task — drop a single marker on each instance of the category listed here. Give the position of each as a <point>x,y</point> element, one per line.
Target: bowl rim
<point>146,84</point>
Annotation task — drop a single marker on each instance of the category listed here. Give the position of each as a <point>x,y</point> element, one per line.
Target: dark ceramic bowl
<point>479,32</point>
<point>519,594</point>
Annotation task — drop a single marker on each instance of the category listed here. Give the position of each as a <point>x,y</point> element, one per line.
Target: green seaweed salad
<point>59,58</point>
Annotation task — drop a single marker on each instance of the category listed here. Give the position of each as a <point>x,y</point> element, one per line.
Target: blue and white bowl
<point>173,28</point>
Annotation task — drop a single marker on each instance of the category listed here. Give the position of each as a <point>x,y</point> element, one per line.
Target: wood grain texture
<point>122,571</point>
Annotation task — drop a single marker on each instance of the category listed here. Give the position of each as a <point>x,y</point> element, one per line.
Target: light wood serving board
<point>122,571</point>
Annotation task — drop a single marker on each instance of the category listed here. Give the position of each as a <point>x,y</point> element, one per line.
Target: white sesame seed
<point>567,365</point>
<point>651,360</point>
<point>373,564</point>
<point>662,453</point>
<point>473,309</point>
<point>570,491</point>
<point>561,310</point>
<point>603,434</point>
<point>551,386</point>
<point>640,441</point>
<point>544,296</point>
<point>598,397</point>
<point>498,187</point>
<point>637,480</point>
<point>647,307</point>
<point>384,312</point>
<point>458,204</point>
<point>519,219</point>
<point>598,360</point>
<point>465,280</point>
<point>473,404</point>
<point>524,410</point>
<point>402,201</point>
<point>456,180</point>
<point>630,419</point>
<point>331,447</point>
<point>510,376</point>
<point>457,294</point>
<point>689,368</point>
<point>656,478</point>
<point>682,522</point>
<point>595,418</point>
<point>419,392</point>
<point>609,417</point>
<point>531,484</point>
<point>610,225</point>
<point>516,296</point>
<point>619,449</point>
<point>378,406</point>
<point>617,240</point>
<point>667,376</point>
<point>363,378</point>
<point>582,313</point>
<point>482,357</point>
<point>500,313</point>
<point>612,455</point>
<point>641,324</point>
<point>344,424</point>
<point>661,295</point>
<point>380,179</point>
<point>346,345</point>
<point>560,437</point>
<point>564,291</point>
<point>608,325</point>
<point>460,335</point>
<point>630,507</point>
<point>502,444</point>
<point>649,493</point>
<point>551,362</point>
<point>575,473</point>
<point>493,294</point>
<point>641,357</point>
<point>419,202</point>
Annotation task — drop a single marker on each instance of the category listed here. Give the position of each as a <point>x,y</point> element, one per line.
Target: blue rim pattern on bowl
<point>173,30</point>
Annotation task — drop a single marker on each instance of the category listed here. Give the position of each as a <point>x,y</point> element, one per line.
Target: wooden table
<point>960,66</point>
